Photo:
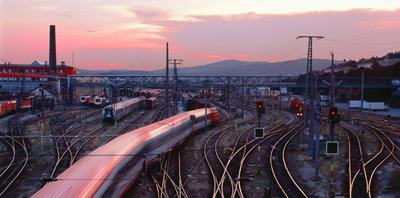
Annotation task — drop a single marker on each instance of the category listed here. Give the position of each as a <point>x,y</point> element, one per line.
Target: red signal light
<point>259,106</point>
<point>333,113</point>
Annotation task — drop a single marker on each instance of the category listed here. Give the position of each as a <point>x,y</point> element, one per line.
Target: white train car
<point>117,111</point>
<point>83,99</point>
<point>100,101</point>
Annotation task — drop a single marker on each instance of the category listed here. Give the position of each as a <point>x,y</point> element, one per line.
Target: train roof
<point>152,98</point>
<point>126,103</point>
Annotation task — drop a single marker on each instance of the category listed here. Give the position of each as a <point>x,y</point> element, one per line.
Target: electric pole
<point>167,82</point>
<point>175,62</point>
<point>22,90</point>
<point>362,102</point>
<point>310,116</point>
<point>332,93</point>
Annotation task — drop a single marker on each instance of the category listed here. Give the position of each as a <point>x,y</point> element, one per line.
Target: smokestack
<point>52,53</point>
<point>54,82</point>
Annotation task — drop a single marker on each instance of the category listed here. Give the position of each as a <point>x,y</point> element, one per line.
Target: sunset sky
<point>131,34</point>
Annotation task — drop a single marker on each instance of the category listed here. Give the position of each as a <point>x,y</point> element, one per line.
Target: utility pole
<point>310,116</point>
<point>362,102</point>
<point>242,98</point>
<point>22,90</point>
<point>205,110</point>
<point>331,129</point>
<point>175,62</point>
<point>317,120</point>
<point>167,82</point>
<point>332,93</point>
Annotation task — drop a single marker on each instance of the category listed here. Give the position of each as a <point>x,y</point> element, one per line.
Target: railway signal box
<point>332,148</point>
<point>259,132</point>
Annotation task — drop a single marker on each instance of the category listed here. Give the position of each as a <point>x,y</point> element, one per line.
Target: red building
<point>34,72</point>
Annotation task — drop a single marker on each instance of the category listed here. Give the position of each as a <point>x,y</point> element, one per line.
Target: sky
<point>131,34</point>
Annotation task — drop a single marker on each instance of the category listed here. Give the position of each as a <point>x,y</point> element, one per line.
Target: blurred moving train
<point>7,107</point>
<point>125,157</point>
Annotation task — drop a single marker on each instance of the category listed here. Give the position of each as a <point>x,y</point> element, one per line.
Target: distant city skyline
<point>124,34</point>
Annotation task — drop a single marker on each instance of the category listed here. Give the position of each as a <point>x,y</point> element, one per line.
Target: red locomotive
<point>297,106</point>
<point>7,107</point>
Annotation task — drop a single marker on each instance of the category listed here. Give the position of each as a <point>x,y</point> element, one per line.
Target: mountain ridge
<point>229,68</point>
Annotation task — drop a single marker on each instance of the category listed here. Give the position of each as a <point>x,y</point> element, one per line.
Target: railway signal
<point>259,132</point>
<point>260,110</point>
<point>333,115</point>
<point>260,107</point>
<point>332,148</point>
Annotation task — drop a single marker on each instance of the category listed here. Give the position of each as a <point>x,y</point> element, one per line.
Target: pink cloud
<point>149,13</point>
<point>385,24</point>
<point>102,65</point>
<point>137,41</point>
<point>243,57</point>
<point>211,56</point>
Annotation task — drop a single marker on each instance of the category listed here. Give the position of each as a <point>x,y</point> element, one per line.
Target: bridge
<point>200,82</point>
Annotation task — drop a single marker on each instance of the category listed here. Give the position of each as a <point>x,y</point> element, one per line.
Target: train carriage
<point>117,111</point>
<point>150,102</point>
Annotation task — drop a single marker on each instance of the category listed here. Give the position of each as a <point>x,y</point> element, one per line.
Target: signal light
<point>333,115</point>
<point>260,107</point>
<point>332,112</point>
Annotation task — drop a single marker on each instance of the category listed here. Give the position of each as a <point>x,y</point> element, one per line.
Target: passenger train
<point>150,102</point>
<point>125,157</point>
<point>117,111</point>
<point>96,101</point>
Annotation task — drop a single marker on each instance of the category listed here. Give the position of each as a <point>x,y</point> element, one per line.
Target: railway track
<point>19,159</point>
<point>230,168</point>
<point>357,180</point>
<point>387,148</point>
<point>283,177</point>
<point>362,171</point>
<point>68,139</point>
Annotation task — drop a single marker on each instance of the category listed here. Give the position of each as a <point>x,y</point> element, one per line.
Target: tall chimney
<point>52,53</point>
<point>54,82</point>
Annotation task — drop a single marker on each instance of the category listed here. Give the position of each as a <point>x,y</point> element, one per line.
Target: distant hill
<point>230,68</point>
<point>112,72</point>
<point>235,68</point>
<point>388,60</point>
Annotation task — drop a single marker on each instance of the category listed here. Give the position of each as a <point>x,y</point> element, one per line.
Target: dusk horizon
<point>132,36</point>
